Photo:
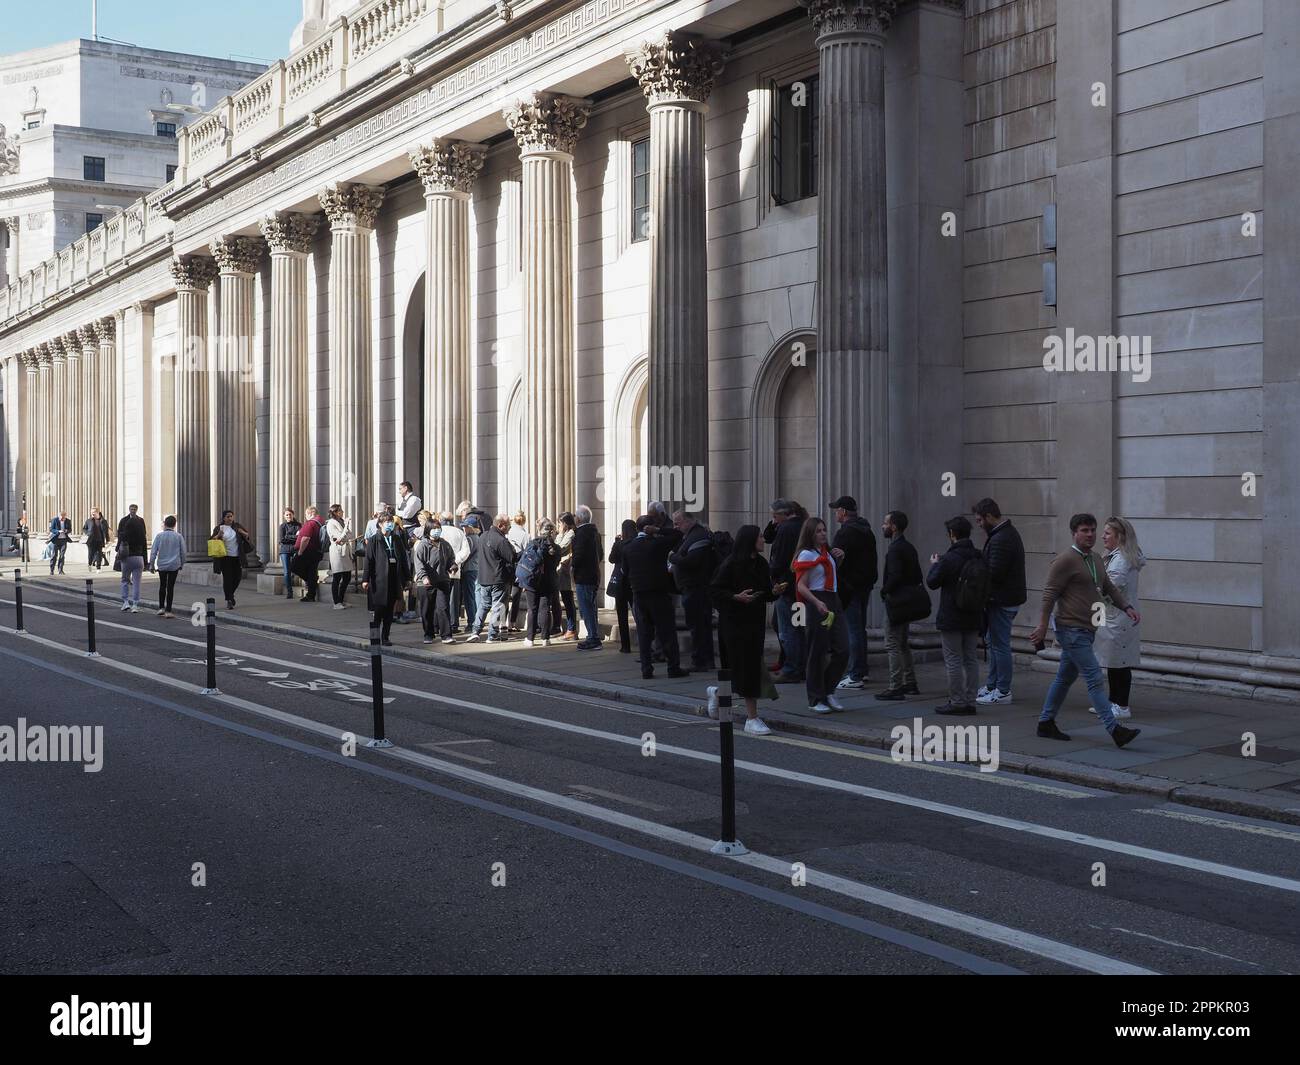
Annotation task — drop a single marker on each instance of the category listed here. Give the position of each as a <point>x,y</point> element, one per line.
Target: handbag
<point>117,556</point>
<point>615,586</point>
<point>216,547</point>
<point>909,603</point>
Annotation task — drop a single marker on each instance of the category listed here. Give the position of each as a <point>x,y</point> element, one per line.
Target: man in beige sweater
<point>1077,587</point>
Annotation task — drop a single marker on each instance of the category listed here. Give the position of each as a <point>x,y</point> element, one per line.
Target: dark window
<point>92,167</point>
<point>641,190</point>
<point>93,221</point>
<point>33,123</point>
<point>794,141</point>
<point>165,129</point>
<point>171,171</point>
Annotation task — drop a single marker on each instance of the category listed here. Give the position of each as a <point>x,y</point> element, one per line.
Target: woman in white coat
<point>340,539</point>
<point>1118,644</point>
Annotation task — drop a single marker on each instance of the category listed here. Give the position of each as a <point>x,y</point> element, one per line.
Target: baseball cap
<point>847,502</point>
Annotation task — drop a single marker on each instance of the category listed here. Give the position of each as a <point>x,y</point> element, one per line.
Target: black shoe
<point>1048,731</point>
<point>646,674</point>
<point>893,695</point>
<point>910,689</point>
<point>427,639</point>
<point>1124,736</point>
<point>230,604</point>
<point>673,671</point>
<point>955,711</point>
<point>386,643</point>
<point>625,650</point>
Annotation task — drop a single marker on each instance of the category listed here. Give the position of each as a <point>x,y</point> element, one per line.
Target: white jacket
<point>1118,643</point>
<point>459,542</point>
<point>340,535</point>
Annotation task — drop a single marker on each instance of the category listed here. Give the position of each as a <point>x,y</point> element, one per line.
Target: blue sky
<point>241,29</point>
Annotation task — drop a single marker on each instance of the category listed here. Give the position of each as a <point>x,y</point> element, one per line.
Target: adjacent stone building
<point>543,253</point>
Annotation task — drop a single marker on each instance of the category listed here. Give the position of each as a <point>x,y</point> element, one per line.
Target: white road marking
<point>829,783</point>
<point>614,796</point>
<point>441,748</point>
<point>1201,819</point>
<point>1064,953</point>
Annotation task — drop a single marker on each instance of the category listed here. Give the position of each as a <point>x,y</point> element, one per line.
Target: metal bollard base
<point>379,743</point>
<point>725,847</point>
<point>210,691</point>
<point>93,654</point>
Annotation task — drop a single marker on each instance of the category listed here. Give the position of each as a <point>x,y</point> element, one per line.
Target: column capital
<point>351,205</point>
<point>58,349</point>
<point>11,223</point>
<point>546,122</point>
<point>237,255</point>
<point>871,17</point>
<point>88,338</point>
<point>72,344</point>
<point>193,272</point>
<point>676,66</point>
<point>289,231</point>
<point>448,166</point>
<point>105,329</point>
<point>44,352</point>
<point>31,360</point>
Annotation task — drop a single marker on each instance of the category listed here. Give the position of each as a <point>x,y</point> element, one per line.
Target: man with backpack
<point>962,579</point>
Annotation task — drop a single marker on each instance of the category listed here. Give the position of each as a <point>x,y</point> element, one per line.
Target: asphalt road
<point>319,858</point>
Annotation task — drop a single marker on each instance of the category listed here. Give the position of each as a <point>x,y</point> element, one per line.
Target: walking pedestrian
<point>341,541</point>
<point>1119,643</point>
<point>95,530</point>
<point>962,578</point>
<point>587,551</point>
<point>238,544</point>
<point>646,560</point>
<point>1072,587</point>
<point>517,534</point>
<point>817,589</point>
<point>167,558</point>
<point>60,536</point>
<point>620,586</point>
<point>308,552</point>
<point>496,568</point>
<point>386,575</point>
<point>536,572</point>
<point>785,535</point>
<point>434,562</point>
<point>854,551</point>
<point>132,546</point>
<point>741,588</point>
<point>693,563</point>
<point>1004,554</point>
<point>564,575</point>
<point>906,601</point>
<point>288,537</point>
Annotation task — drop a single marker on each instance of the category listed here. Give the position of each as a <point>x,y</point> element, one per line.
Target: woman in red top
<point>817,590</point>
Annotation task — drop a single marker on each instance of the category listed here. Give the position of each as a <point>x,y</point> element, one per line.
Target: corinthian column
<point>351,210</point>
<point>853,429</point>
<point>73,425</point>
<point>546,129</point>
<point>45,485</point>
<point>57,428</point>
<point>676,74</point>
<point>194,520</point>
<point>289,236</point>
<point>234,401</point>
<point>448,172</point>
<point>90,415</point>
<point>31,414</point>
<point>106,422</point>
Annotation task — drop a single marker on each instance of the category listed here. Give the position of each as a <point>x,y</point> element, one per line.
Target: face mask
<point>436,533</point>
<point>388,528</point>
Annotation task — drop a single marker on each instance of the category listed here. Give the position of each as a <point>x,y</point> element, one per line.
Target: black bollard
<point>18,598</point>
<point>210,619</point>
<point>728,844</point>
<point>90,620</point>
<point>377,688</point>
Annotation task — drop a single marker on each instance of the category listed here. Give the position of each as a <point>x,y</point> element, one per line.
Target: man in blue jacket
<point>60,534</point>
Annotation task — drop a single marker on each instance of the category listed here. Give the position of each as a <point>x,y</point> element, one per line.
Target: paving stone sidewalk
<point>1191,747</point>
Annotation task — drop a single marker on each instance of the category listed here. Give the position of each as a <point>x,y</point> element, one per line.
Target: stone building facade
<point>544,253</point>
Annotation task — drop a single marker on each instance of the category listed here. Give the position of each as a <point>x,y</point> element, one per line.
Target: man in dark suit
<point>646,560</point>
<point>387,573</point>
<point>60,534</point>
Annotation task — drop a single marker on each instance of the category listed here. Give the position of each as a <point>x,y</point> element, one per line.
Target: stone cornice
<point>351,205</point>
<point>237,255</point>
<point>871,17</point>
<point>677,66</point>
<point>289,231</point>
<point>547,122</point>
<point>450,166</point>
<point>193,272</point>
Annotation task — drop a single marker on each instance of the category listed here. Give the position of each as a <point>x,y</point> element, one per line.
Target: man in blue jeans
<point>1004,555</point>
<point>1078,588</point>
<point>588,550</point>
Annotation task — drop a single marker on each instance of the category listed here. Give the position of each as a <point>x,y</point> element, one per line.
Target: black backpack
<point>973,585</point>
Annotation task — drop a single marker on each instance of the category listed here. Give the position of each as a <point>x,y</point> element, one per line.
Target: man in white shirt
<point>408,504</point>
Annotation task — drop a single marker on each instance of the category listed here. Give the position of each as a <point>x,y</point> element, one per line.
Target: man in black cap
<point>854,548</point>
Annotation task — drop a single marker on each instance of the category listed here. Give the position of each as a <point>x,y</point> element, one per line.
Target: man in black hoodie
<point>902,571</point>
<point>958,622</point>
<point>854,548</point>
<point>646,562</point>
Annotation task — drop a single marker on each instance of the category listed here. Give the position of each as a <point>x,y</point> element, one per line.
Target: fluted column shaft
<point>31,413</point>
<point>91,442</point>
<point>676,73</point>
<point>193,446</point>
<point>853,417</point>
<point>448,172</point>
<point>73,426</point>
<point>546,128</point>
<point>107,423</point>
<point>43,497</point>
<point>57,428</point>
<point>351,210</point>
<point>289,477</point>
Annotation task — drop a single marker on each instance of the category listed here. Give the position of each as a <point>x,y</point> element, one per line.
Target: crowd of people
<point>491,578</point>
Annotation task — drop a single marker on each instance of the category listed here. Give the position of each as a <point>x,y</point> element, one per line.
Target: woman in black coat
<point>543,589</point>
<point>95,530</point>
<point>622,587</point>
<point>387,573</point>
<point>741,589</point>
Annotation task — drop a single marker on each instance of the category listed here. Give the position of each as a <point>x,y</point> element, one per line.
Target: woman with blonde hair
<point>1118,644</point>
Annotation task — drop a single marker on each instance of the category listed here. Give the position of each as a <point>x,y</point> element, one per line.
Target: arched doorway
<point>513,456</point>
<point>410,399</point>
<point>623,478</point>
<point>784,426</point>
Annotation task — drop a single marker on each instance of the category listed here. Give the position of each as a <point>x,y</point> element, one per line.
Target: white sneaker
<point>161,613</point>
<point>984,690</point>
<point>755,727</point>
<point>821,708</point>
<point>134,609</point>
<point>849,682</point>
<point>993,696</point>
<point>472,638</point>
<point>528,642</point>
<point>337,606</point>
<point>1120,711</point>
<point>546,642</point>
<point>712,692</point>
<point>125,607</point>
<point>834,703</point>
